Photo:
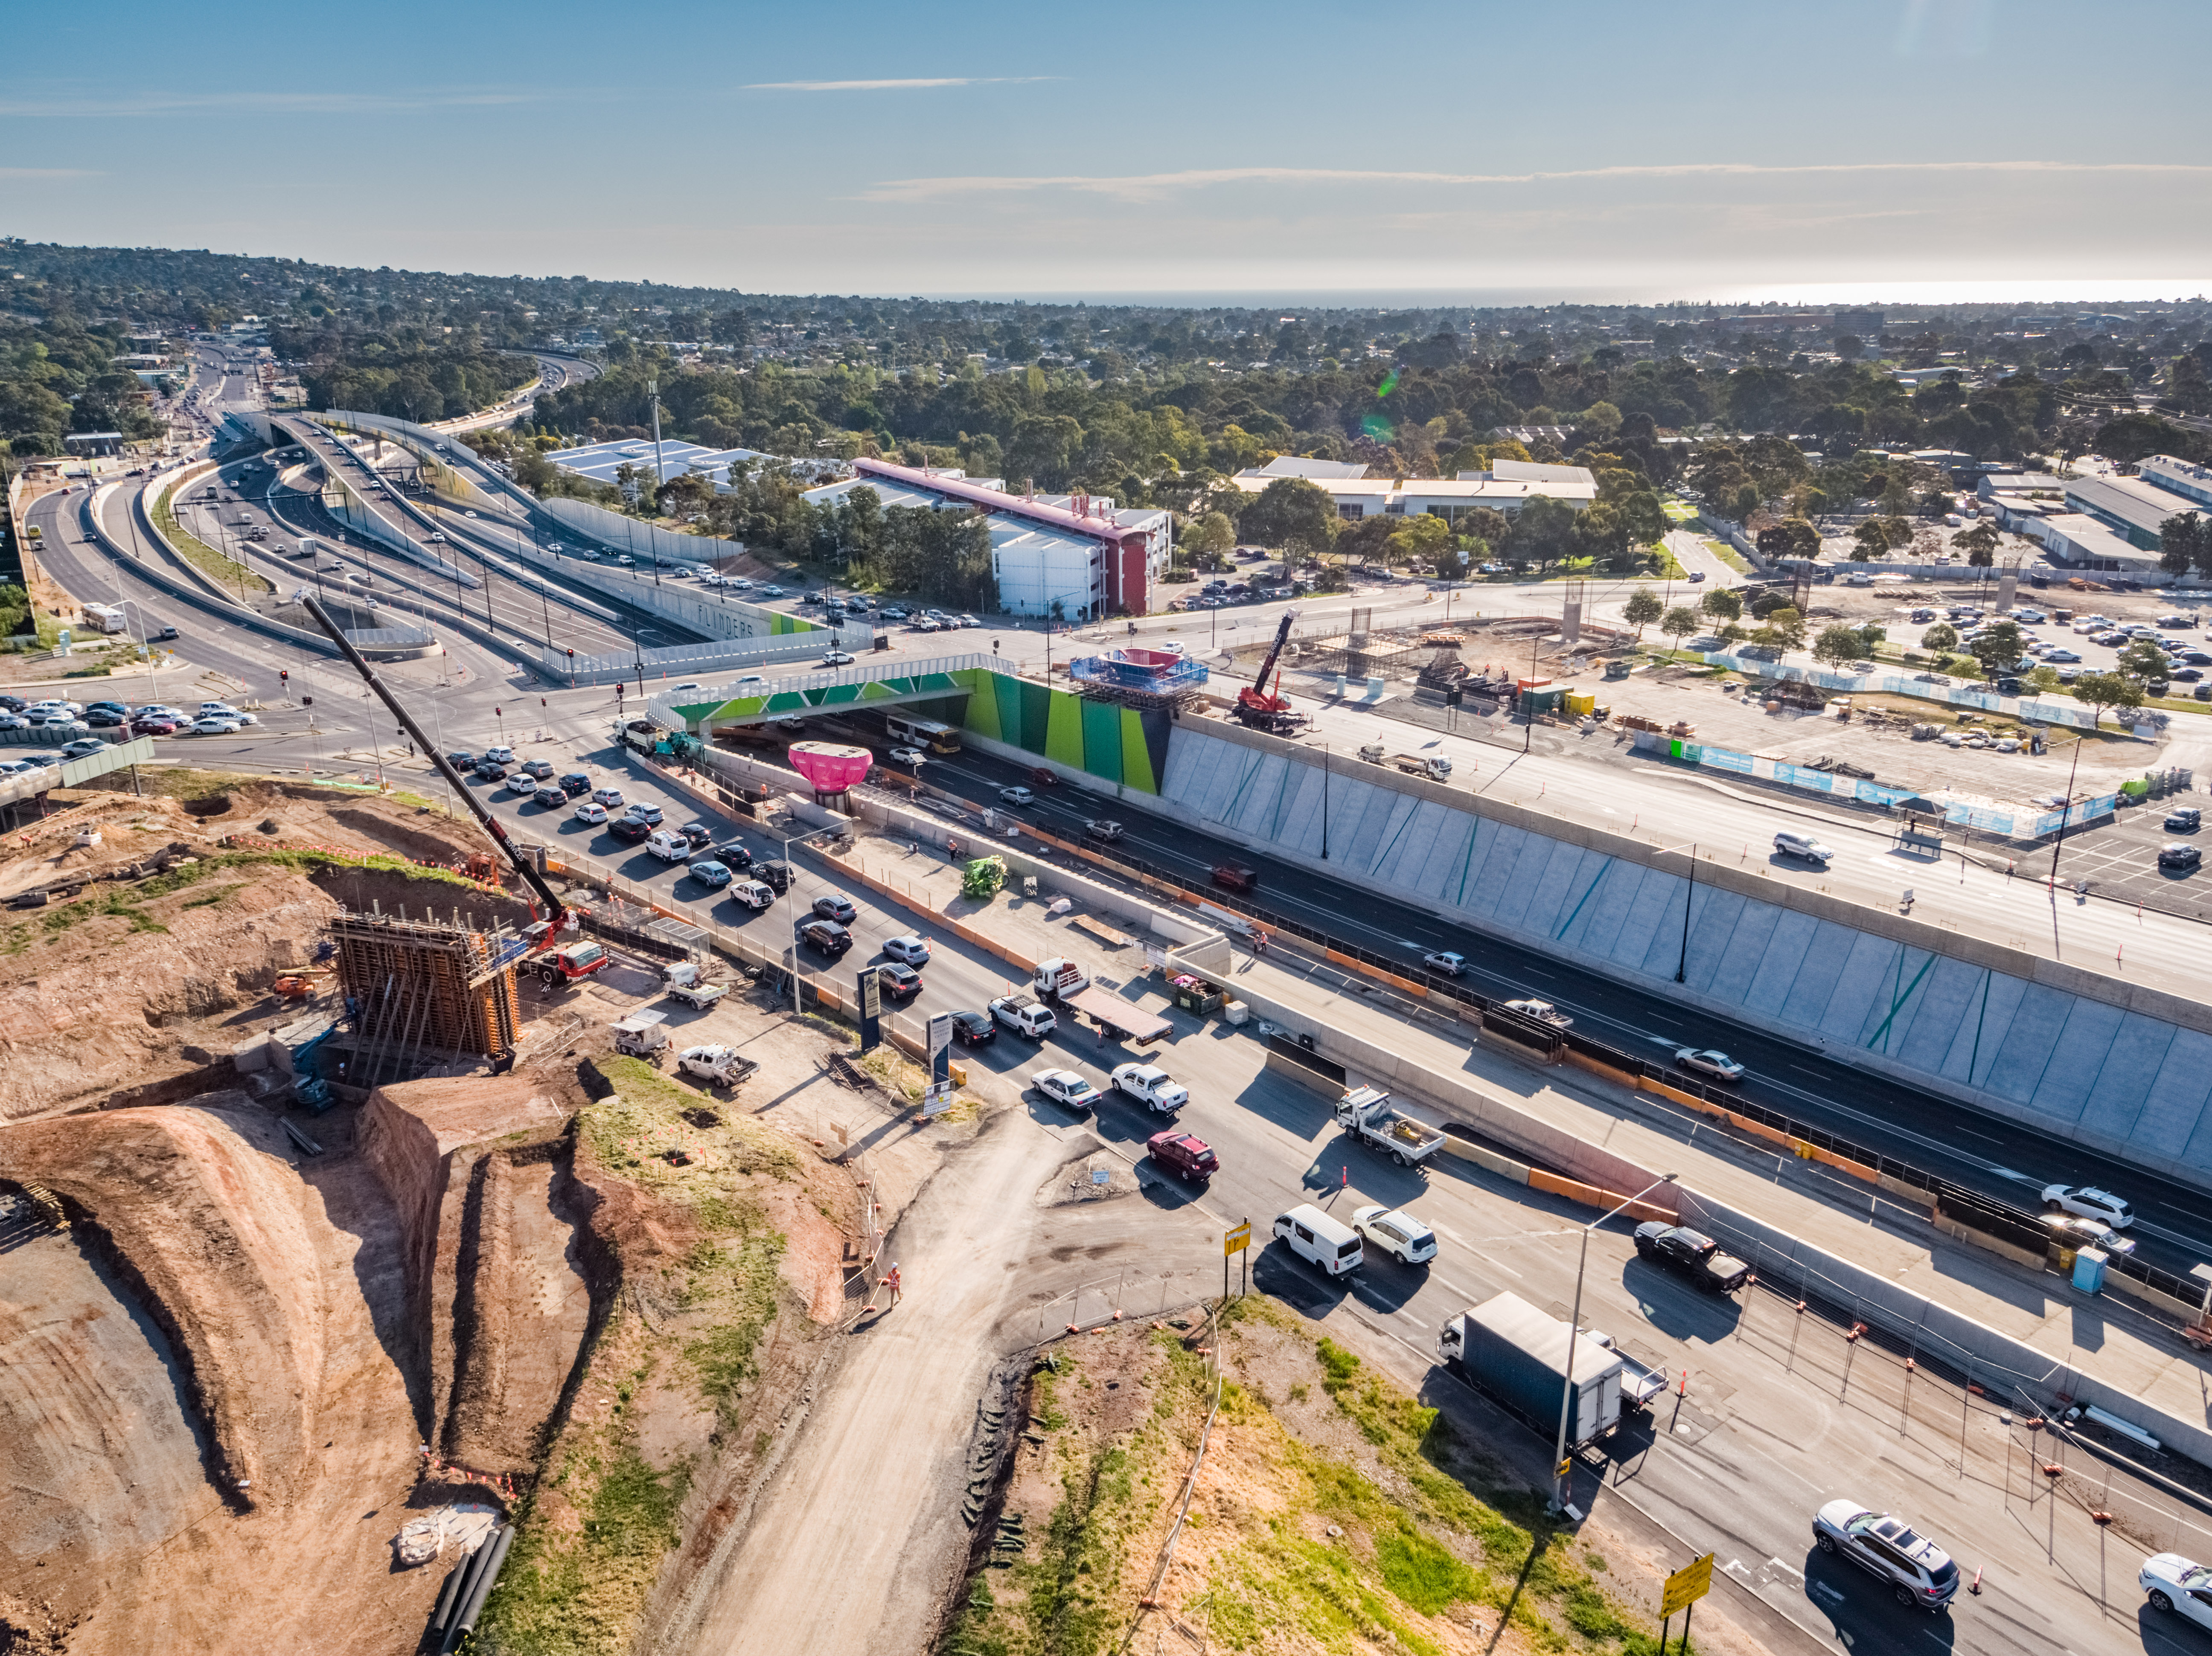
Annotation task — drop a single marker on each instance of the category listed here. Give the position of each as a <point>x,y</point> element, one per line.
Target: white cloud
<point>894,86</point>
<point>1151,186</point>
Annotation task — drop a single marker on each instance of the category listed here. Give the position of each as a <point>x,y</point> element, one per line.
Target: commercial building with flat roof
<point>2186,478</point>
<point>1078,556</point>
<point>2128,506</point>
<point>1507,487</point>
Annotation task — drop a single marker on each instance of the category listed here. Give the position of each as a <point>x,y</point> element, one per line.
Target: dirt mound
<point>208,1227</point>
<point>496,1292</point>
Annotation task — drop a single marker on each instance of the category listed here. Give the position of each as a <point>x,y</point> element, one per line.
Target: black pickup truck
<point>1696,1257</point>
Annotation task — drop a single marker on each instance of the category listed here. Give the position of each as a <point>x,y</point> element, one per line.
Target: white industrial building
<point>1077,556</point>
<point>1507,487</point>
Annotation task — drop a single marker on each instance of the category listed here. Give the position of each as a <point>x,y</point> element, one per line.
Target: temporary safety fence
<point>2071,713</point>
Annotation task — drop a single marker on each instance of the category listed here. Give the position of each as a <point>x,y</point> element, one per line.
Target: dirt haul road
<point>858,1538</point>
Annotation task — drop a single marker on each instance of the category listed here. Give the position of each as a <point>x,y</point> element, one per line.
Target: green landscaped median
<point>228,572</point>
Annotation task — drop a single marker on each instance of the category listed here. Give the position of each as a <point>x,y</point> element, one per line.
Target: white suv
<point>1919,1572</point>
<point>2090,1203</point>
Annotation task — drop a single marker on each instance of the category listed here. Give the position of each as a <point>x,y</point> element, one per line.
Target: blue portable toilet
<point>2089,1270</point>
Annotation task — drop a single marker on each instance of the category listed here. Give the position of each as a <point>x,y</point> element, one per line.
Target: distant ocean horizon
<point>1875,295</point>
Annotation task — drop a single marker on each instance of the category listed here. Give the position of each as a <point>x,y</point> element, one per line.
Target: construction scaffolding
<point>417,989</point>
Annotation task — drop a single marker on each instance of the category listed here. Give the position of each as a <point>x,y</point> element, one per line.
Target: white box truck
<point>1518,1354</point>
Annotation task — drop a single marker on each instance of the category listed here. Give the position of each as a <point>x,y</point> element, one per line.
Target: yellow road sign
<point>1236,1241</point>
<point>1687,1585</point>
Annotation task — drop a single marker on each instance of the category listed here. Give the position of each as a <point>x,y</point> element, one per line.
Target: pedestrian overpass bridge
<point>863,685</point>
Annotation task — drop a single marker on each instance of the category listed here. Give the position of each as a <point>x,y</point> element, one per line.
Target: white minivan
<point>1319,1239</point>
<point>669,845</point>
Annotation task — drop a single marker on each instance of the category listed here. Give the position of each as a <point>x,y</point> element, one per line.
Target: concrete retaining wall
<point>2118,1067</point>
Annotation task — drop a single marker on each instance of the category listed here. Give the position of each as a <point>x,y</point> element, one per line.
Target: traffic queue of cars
<point>148,719</point>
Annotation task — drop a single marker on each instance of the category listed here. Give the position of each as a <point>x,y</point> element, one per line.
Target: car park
<point>1710,1061</point>
<point>2181,857</point>
<point>2090,1202</point>
<point>1398,1235</point>
<point>899,982</point>
<point>1065,1088</point>
<point>910,948</point>
<point>629,829</point>
<point>1919,1572</point>
<point>835,907</point>
<point>827,935</point>
<point>591,812</point>
<point>2184,819</point>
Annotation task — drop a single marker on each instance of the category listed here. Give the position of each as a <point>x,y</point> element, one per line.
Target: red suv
<point>1187,1158</point>
<point>1237,876</point>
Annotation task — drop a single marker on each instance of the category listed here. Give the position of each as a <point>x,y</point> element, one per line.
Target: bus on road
<point>911,732</point>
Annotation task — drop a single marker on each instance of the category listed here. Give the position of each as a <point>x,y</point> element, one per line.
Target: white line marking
<point>1412,1319</point>
<point>1491,1259</point>
<point>1467,1294</point>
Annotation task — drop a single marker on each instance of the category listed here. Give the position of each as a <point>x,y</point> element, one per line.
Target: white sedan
<point>1450,964</point>
<point>591,812</point>
<point>1066,1087</point>
<point>909,755</point>
<point>2178,1584</point>
<point>1710,1061</point>
<point>214,724</point>
<point>836,659</point>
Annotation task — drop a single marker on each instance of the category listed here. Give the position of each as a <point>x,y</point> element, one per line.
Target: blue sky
<point>1846,149</point>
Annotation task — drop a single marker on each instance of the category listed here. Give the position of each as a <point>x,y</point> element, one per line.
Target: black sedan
<point>699,834</point>
<point>973,1028</point>
<point>733,852</point>
<point>461,761</point>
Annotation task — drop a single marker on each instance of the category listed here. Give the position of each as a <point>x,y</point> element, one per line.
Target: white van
<point>669,845</point>
<point>1790,843</point>
<point>1319,1239</point>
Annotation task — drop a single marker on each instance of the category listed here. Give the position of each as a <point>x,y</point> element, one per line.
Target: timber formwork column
<point>415,987</point>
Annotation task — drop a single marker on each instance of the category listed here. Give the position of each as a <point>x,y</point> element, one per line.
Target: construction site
<point>338,1234</point>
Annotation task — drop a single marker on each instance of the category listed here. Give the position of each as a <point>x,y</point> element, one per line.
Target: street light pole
<point>1562,1477</point>
<point>1324,801</point>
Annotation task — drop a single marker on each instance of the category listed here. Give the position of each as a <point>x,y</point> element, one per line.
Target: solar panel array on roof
<point>601,461</point>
